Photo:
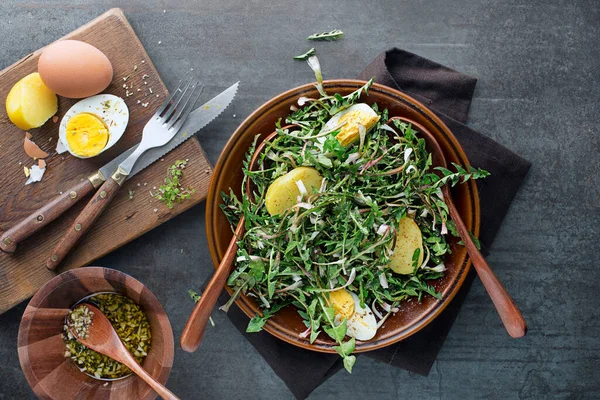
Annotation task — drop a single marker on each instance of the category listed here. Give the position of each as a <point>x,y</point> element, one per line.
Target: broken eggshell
<point>32,149</point>
<point>112,110</point>
<point>35,174</point>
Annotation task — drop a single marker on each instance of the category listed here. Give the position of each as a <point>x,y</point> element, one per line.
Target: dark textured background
<point>538,94</point>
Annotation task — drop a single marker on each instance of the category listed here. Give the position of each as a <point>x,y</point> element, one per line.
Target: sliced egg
<point>342,303</point>
<point>92,126</point>
<point>361,323</point>
<point>347,122</point>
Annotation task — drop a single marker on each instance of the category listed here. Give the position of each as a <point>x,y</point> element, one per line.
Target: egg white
<point>362,324</point>
<point>362,108</point>
<point>115,117</point>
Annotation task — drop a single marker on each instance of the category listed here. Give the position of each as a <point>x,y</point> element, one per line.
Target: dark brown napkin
<point>448,93</point>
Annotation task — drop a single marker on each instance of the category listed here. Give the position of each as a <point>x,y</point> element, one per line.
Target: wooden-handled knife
<point>60,204</point>
<point>57,206</point>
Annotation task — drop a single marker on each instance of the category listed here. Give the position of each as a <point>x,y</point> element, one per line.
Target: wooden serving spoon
<point>102,338</point>
<point>196,324</point>
<point>509,313</point>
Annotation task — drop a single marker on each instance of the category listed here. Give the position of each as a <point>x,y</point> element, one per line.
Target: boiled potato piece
<point>283,192</point>
<point>30,103</point>
<point>408,239</point>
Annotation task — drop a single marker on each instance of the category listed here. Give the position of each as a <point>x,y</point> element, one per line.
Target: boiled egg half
<point>361,322</point>
<point>93,125</point>
<point>348,120</point>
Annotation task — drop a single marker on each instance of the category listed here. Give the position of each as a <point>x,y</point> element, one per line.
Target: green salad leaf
<point>335,34</point>
<point>343,234</point>
<point>304,56</point>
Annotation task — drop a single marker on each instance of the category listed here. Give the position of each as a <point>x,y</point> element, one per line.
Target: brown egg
<point>74,69</point>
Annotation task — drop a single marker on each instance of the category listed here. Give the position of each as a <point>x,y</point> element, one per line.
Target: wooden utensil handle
<point>149,379</point>
<point>84,221</point>
<point>196,324</point>
<point>43,216</point>
<point>509,313</point>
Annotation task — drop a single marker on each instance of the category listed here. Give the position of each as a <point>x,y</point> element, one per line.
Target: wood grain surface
<point>24,271</point>
<point>41,348</point>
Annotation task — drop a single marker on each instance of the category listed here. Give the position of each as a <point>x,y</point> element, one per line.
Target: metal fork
<point>163,125</point>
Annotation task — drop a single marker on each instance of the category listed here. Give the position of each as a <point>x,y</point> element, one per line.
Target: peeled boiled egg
<point>342,302</point>
<point>74,69</point>
<point>347,122</point>
<point>92,125</point>
<point>361,323</point>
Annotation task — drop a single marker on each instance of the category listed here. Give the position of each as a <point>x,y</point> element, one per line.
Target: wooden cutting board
<point>22,273</point>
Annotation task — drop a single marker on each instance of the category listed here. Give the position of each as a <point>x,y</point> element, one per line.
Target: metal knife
<point>197,119</point>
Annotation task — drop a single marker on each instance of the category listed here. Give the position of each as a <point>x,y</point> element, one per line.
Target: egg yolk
<point>342,302</point>
<point>349,131</point>
<point>87,134</point>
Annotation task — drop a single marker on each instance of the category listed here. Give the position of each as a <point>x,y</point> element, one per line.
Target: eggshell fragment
<point>41,163</point>
<point>35,174</point>
<point>75,69</point>
<point>32,149</point>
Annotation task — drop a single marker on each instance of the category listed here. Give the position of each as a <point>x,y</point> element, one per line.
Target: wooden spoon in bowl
<point>100,336</point>
<point>509,313</point>
<point>196,324</point>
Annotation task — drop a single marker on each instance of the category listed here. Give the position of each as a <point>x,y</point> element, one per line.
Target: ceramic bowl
<point>41,348</point>
<point>413,315</point>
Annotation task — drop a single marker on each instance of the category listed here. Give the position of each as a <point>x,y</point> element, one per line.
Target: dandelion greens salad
<point>346,219</point>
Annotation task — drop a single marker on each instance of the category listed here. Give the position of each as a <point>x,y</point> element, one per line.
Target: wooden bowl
<point>41,348</point>
<point>413,316</point>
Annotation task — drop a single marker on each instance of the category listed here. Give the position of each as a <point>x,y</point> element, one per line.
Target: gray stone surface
<point>538,93</point>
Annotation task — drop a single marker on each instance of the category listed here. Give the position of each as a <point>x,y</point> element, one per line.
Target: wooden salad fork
<point>196,324</point>
<point>509,313</point>
<point>161,128</point>
<point>101,337</point>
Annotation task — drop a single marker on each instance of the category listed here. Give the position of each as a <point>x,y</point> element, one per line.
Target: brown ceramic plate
<point>41,348</point>
<point>413,316</point>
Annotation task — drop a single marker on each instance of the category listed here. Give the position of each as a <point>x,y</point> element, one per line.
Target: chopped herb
<point>304,56</point>
<point>80,319</point>
<point>131,193</point>
<point>130,323</point>
<point>172,191</point>
<point>335,34</point>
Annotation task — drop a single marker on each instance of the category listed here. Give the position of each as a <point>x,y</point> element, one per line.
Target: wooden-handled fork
<point>161,128</point>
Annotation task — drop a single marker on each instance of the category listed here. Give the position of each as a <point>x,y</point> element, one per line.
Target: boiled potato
<point>408,239</point>
<point>283,192</point>
<point>30,103</point>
